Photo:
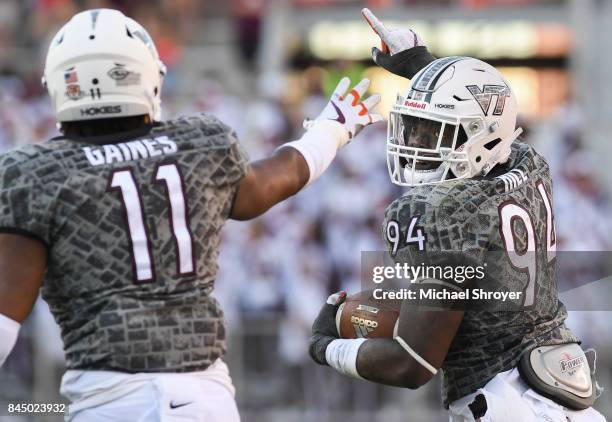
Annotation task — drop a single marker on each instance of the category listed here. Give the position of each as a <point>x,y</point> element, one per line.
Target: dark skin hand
<point>428,332</point>
<point>270,181</point>
<point>23,261</point>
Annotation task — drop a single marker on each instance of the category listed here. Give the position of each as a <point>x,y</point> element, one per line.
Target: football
<point>361,315</point>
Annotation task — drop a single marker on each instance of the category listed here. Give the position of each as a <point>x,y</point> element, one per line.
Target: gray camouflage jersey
<point>477,217</point>
<point>133,228</point>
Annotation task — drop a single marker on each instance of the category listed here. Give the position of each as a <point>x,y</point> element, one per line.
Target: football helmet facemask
<point>457,121</point>
<point>102,64</point>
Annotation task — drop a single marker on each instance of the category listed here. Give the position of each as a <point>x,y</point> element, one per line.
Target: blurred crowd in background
<point>276,271</point>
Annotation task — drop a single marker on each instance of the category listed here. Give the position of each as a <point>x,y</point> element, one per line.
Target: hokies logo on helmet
<point>415,104</point>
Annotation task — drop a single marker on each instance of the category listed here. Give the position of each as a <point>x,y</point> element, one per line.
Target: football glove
<point>349,109</point>
<point>324,329</point>
<point>403,52</point>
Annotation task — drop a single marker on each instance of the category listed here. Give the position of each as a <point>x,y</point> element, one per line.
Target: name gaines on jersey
<point>127,151</point>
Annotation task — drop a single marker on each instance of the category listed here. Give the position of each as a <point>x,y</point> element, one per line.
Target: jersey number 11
<point>123,181</point>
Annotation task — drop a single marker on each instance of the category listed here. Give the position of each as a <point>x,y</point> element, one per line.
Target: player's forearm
<point>384,361</point>
<point>22,265</point>
<point>294,165</point>
<point>270,181</point>
<point>23,261</point>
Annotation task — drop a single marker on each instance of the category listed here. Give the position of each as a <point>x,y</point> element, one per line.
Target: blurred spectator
<point>247,15</point>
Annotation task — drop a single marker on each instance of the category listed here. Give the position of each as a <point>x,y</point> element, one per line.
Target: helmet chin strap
<point>506,149</point>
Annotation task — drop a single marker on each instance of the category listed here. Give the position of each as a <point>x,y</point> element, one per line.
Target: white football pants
<point>509,399</point>
<point>97,396</point>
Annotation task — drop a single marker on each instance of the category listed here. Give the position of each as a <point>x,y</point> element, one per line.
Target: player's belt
<point>561,373</point>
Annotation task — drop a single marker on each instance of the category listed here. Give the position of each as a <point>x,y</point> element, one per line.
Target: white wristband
<point>342,356</point>
<point>319,145</point>
<point>9,330</point>
<point>416,356</point>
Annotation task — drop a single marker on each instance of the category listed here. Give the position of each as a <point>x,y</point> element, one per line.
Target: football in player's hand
<point>361,315</point>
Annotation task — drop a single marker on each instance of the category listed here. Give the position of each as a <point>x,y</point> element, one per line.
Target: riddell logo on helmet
<point>420,106</point>
<point>94,111</point>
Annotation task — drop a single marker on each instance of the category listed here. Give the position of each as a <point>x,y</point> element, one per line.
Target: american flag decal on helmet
<point>70,76</point>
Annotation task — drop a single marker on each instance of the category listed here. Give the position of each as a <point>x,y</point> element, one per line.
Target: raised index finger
<point>378,27</point>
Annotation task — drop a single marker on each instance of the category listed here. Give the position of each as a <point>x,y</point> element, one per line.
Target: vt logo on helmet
<point>102,62</point>
<point>457,120</point>
<point>486,95</point>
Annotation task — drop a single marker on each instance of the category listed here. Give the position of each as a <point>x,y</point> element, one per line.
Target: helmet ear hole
<point>492,144</point>
<point>478,159</point>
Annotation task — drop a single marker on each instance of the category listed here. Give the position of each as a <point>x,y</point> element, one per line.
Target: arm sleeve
<point>237,159</point>
<point>406,63</point>
<point>226,155</point>
<point>24,206</point>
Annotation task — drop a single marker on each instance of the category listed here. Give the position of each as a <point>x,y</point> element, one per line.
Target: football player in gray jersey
<point>475,196</point>
<point>118,223</point>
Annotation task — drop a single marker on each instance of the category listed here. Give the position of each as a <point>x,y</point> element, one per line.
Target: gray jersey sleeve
<point>227,156</point>
<point>236,159</point>
<point>25,207</point>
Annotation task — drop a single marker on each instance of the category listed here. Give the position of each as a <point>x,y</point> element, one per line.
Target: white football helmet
<point>102,64</point>
<point>457,121</point>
